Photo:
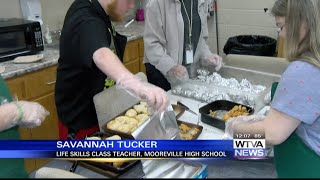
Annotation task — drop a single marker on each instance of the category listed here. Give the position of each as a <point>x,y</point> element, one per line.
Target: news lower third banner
<point>133,149</point>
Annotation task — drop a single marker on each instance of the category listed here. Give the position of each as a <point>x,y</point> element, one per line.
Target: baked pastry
<point>113,125</point>
<point>125,128</point>
<point>133,128</point>
<point>140,108</point>
<point>132,121</point>
<point>93,138</point>
<point>114,137</point>
<point>118,164</point>
<point>142,117</point>
<point>144,103</point>
<point>122,119</point>
<point>131,113</point>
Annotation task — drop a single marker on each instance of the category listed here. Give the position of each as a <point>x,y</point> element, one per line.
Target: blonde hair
<point>299,13</point>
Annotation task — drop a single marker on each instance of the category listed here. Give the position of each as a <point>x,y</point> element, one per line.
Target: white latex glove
<point>33,114</point>
<point>153,95</point>
<point>178,72</point>
<point>230,124</point>
<point>213,60</point>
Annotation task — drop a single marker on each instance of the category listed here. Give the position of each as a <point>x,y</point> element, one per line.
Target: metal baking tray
<point>178,110</point>
<point>223,105</point>
<point>102,167</point>
<point>200,128</point>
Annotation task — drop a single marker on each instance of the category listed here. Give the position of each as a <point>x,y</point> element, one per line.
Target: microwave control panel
<point>38,38</point>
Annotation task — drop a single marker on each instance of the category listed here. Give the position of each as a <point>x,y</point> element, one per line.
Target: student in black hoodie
<point>86,59</point>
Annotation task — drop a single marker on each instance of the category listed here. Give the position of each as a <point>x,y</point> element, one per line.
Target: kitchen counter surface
<point>51,52</point>
<point>12,70</point>
<point>133,31</point>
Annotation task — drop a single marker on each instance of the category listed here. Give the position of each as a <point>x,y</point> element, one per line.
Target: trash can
<point>251,45</point>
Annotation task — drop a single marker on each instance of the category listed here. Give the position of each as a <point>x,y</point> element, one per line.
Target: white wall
<point>53,11</point>
<point>241,17</point>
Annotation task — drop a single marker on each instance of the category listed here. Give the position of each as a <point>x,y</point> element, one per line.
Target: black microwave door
<point>14,43</point>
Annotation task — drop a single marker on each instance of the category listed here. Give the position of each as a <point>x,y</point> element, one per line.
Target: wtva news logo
<point>249,148</point>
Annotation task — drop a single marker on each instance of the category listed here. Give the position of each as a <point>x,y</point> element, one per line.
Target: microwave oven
<point>19,37</point>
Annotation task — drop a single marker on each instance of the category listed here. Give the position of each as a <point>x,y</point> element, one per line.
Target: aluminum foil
<point>205,94</point>
<point>267,98</point>
<point>232,83</point>
<point>159,126</point>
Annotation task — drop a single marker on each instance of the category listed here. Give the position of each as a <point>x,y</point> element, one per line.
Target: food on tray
<point>132,119</point>
<point>126,128</point>
<point>131,113</point>
<point>142,118</point>
<point>234,112</point>
<point>113,125</point>
<point>93,138</point>
<point>118,164</point>
<point>122,119</point>
<point>184,128</point>
<point>141,109</point>
<point>186,136</point>
<point>114,137</point>
<point>213,113</point>
<point>187,132</point>
<point>194,131</point>
<point>144,103</point>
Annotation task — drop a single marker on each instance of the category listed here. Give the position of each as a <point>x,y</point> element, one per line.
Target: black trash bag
<point>251,45</point>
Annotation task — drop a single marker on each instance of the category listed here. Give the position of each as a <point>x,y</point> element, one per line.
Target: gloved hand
<point>213,60</point>
<point>231,123</point>
<point>153,95</point>
<point>32,114</point>
<point>178,72</point>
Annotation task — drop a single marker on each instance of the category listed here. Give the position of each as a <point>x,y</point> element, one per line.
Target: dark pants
<point>156,77</point>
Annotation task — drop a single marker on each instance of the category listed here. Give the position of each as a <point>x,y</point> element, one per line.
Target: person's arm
<point>22,113</point>
<point>9,115</point>
<point>154,39</point>
<point>205,50</point>
<point>111,65</point>
<point>206,57</point>
<point>277,127</point>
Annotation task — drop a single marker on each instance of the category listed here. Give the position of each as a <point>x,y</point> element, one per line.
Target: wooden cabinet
<point>141,53</point>
<point>133,56</point>
<point>38,87</point>
<point>280,48</point>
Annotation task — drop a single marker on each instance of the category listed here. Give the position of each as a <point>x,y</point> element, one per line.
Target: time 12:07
<point>246,136</point>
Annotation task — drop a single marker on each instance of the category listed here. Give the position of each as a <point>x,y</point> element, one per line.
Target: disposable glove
<point>213,60</point>
<point>176,75</point>
<point>30,114</point>
<point>156,97</point>
<point>178,72</point>
<point>230,124</point>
